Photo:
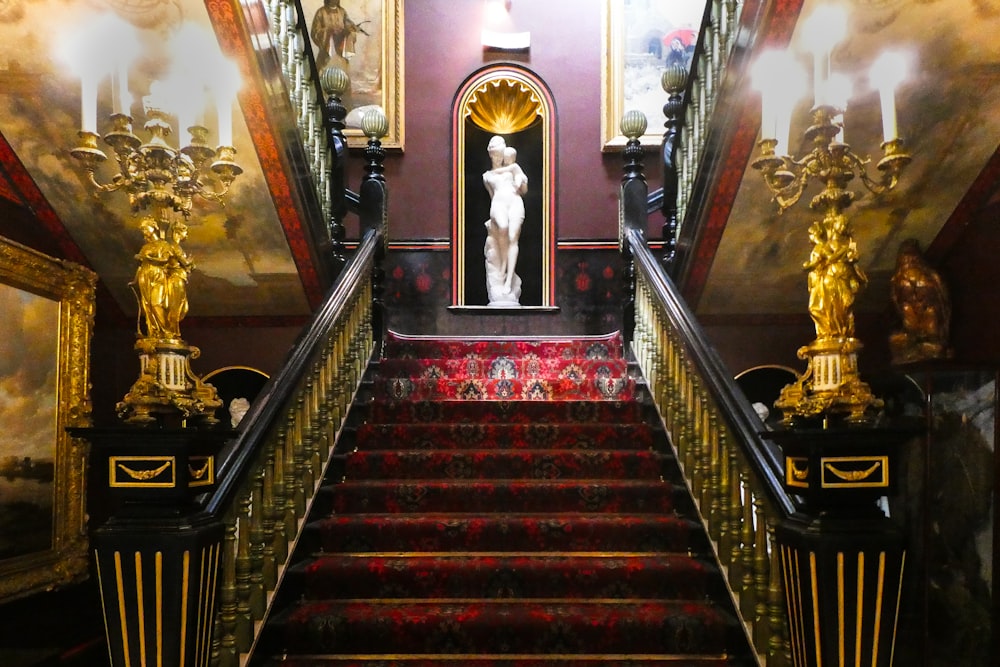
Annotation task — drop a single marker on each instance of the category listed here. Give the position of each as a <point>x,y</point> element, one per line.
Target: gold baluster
<point>748,596</point>
<point>735,507</point>
<point>269,565</point>
<point>778,647</point>
<point>761,577</point>
<point>715,488</point>
<point>228,655</point>
<point>244,619</point>
<point>257,548</point>
<point>293,483</point>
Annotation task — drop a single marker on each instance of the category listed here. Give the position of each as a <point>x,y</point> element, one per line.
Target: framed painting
<point>365,39</point>
<point>640,38</point>
<point>48,307</point>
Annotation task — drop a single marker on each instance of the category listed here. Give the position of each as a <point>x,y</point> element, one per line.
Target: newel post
<point>335,82</point>
<point>374,215</point>
<point>673,80</point>
<point>842,560</point>
<point>631,210</point>
<point>157,558</point>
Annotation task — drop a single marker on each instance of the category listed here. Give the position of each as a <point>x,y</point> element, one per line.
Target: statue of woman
<point>834,278</point>
<point>150,281</point>
<point>178,269</point>
<point>505,182</point>
<point>161,280</point>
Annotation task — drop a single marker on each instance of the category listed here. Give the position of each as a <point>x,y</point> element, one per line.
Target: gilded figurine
<point>921,300</point>
<point>160,281</point>
<point>834,278</point>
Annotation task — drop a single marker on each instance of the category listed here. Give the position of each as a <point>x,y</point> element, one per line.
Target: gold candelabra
<point>161,183</point>
<point>830,386</point>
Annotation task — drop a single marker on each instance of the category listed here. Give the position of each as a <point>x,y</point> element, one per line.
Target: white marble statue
<point>238,408</point>
<point>505,182</point>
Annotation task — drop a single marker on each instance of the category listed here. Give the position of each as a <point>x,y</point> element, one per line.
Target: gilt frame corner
<point>54,304</point>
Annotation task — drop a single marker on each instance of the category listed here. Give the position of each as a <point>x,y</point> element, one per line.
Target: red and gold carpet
<point>506,504</point>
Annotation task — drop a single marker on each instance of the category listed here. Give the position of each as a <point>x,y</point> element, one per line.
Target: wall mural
<point>243,261</point>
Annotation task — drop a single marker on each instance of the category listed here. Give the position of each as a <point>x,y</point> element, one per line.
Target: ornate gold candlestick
<point>161,183</point>
<point>830,384</point>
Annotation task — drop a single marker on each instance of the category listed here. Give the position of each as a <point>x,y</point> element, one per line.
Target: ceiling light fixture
<point>497,30</point>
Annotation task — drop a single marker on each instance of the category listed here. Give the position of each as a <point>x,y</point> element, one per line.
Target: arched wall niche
<point>512,102</point>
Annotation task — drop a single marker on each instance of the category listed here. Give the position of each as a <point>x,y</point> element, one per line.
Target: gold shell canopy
<point>504,106</point>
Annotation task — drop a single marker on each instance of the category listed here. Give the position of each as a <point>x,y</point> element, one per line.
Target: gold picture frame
<point>375,66</point>
<point>48,307</point>
<point>630,70</point>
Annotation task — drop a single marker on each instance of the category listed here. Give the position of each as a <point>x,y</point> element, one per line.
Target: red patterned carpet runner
<point>508,503</point>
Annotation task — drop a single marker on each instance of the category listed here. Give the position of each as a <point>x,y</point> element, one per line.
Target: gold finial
<point>633,124</point>
<point>374,123</point>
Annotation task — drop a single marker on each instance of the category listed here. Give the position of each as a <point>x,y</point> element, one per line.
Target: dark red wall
<point>442,49</point>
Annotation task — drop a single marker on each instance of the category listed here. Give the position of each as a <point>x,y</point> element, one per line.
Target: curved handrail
<point>270,474</point>
<point>281,387</point>
<point>730,399</point>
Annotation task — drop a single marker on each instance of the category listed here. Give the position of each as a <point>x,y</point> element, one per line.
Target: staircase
<point>507,503</point>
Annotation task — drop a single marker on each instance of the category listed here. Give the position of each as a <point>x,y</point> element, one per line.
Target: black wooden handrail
<point>737,410</point>
<point>264,412</point>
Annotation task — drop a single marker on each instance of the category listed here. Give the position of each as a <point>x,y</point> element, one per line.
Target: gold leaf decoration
<point>144,475</point>
<point>504,106</point>
<point>853,475</point>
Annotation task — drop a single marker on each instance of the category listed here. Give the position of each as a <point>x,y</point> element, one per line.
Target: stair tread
<point>472,525</point>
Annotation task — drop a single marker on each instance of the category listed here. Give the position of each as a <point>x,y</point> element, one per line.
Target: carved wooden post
<point>157,558</point>
<point>335,82</point>
<point>842,559</point>
<point>374,215</point>
<point>631,210</point>
<point>673,80</point>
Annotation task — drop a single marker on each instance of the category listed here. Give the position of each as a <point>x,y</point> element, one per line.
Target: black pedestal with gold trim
<point>842,559</point>
<point>157,557</point>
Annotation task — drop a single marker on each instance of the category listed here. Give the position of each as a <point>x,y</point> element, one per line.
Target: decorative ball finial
<point>334,81</point>
<point>633,124</point>
<point>674,78</point>
<point>374,123</point>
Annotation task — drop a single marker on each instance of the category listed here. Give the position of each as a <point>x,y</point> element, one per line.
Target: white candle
<point>888,98</point>
<point>820,63</point>
<point>88,103</point>
<point>124,98</point>
<point>784,129</point>
<point>887,72</point>
<point>225,124</point>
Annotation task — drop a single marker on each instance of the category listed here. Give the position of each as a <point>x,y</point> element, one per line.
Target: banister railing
<point>689,111</point>
<point>268,478</point>
<point>732,472</point>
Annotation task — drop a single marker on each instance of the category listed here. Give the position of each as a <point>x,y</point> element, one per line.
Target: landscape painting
<point>45,333</point>
<point>28,392</point>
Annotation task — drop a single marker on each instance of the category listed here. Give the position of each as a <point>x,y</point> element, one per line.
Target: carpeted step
<point>515,411</point>
<point>586,347</point>
<point>504,436</point>
<point>507,504</point>
<point>503,532</point>
<point>505,495</point>
<point>531,464</point>
<point>504,367</point>
<point>506,626</point>
<point>408,388</point>
<point>479,660</point>
<point>576,575</point>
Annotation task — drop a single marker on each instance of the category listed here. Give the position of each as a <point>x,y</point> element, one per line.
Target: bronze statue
<point>924,308</point>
